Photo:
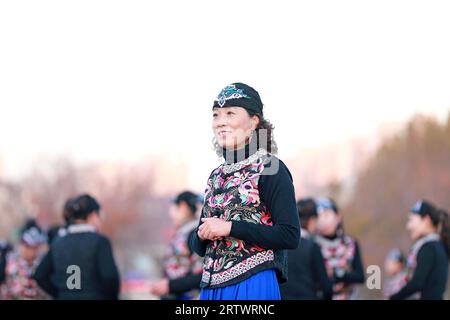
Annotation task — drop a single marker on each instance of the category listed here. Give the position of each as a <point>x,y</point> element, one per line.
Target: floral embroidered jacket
<point>261,205</point>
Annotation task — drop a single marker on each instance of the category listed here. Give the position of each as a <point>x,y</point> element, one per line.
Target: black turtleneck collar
<point>236,155</point>
<point>331,237</point>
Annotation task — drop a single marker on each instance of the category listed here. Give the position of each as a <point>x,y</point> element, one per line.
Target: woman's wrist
<point>229,225</point>
<point>199,236</point>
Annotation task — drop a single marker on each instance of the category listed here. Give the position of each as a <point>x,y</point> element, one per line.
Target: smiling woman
<point>249,215</point>
<point>427,262</point>
<point>238,133</point>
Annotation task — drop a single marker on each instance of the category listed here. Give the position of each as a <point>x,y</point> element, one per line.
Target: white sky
<point>119,80</point>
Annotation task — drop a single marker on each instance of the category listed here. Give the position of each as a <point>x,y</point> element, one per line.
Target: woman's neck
<point>428,233</point>
<point>81,226</point>
<point>80,221</point>
<point>184,222</point>
<point>238,154</point>
<point>331,236</point>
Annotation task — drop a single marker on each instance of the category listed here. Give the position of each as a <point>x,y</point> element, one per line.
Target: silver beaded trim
<point>228,168</point>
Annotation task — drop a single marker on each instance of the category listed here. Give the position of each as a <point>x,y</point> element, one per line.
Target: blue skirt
<point>261,286</point>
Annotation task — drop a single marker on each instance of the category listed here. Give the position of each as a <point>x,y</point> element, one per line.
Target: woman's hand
<point>160,288</point>
<point>338,287</point>
<point>214,229</point>
<point>330,271</point>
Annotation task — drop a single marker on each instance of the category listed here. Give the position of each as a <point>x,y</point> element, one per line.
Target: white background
<point>121,80</point>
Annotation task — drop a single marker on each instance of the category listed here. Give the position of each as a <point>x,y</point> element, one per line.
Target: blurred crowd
<point>327,264</point>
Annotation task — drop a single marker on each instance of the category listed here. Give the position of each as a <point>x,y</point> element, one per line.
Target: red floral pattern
<point>234,197</point>
<point>19,284</point>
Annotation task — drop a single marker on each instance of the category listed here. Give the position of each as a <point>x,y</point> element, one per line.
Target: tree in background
<point>412,165</point>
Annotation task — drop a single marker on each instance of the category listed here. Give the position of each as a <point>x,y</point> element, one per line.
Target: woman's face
<point>179,213</point>
<point>392,267</point>
<point>418,226</point>
<point>312,225</point>
<point>232,126</point>
<point>327,222</point>
<point>29,253</point>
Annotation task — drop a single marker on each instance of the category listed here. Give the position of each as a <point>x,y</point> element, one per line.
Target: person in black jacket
<point>427,263</point>
<point>307,275</point>
<point>182,267</point>
<point>80,265</point>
